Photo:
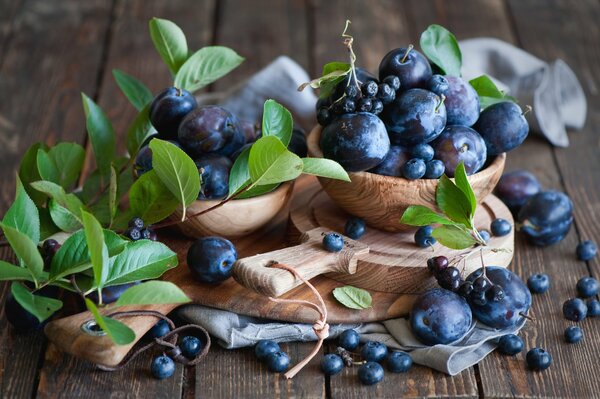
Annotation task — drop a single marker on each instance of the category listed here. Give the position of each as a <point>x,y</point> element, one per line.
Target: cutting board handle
<point>309,259</point>
<point>71,334</point>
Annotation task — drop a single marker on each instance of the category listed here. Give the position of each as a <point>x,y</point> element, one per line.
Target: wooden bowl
<point>381,200</point>
<point>237,218</point>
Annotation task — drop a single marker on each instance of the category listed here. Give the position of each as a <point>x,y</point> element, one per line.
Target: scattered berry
<point>587,287</point>
<point>333,242</point>
<point>355,228</point>
<point>160,329</point>
<point>510,344</point>
<point>414,169</point>
<point>423,237</point>
<point>373,351</point>
<point>500,227</point>
<point>485,235</point>
<point>574,309</point>
<point>538,359</point>
<point>586,250</point>
<point>399,362</point>
<point>593,308</point>
<point>573,334</point>
<point>349,339</point>
<point>422,151</point>
<point>190,346</point>
<point>370,373</point>
<point>162,367</point>
<point>277,362</point>
<point>332,364</point>
<point>538,283</point>
<point>264,348</point>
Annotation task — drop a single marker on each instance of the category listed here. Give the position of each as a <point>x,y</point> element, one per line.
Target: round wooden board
<point>395,263</point>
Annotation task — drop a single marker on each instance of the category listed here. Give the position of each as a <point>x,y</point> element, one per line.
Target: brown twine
<point>168,341</point>
<point>320,326</point>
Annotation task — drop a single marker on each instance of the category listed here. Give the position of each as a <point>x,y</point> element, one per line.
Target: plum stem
<point>405,56</point>
<point>526,316</point>
<point>348,40</point>
<point>528,109</point>
<point>442,99</point>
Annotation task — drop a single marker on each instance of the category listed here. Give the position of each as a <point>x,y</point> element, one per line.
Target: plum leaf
<point>139,130</point>
<point>26,250</point>
<point>136,92</point>
<point>23,215</point>
<point>277,121</point>
<point>453,236</point>
<point>97,249</point>
<point>118,332</point>
<point>206,66</point>
<point>29,172</point>
<point>441,48</point>
<point>170,42</point>
<point>153,293</point>
<point>418,215</point>
<point>39,306</point>
<point>269,162</point>
<point>453,202</point>
<point>150,199</point>
<point>101,133</point>
<point>462,182</point>
<point>324,168</point>
<point>352,297</point>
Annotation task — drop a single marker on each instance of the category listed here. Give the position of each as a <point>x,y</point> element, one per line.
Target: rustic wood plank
<point>7,22</point>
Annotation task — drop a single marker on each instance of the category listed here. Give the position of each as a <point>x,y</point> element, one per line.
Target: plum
<point>393,162</point>
<point>509,310</point>
<point>297,143</point>
<point>168,109</point>
<point>211,259</point>
<point>416,116</point>
<point>546,217</point>
<point>409,65</point>
<point>503,127</point>
<point>515,188</point>
<point>462,102</point>
<point>211,129</point>
<point>440,316</point>
<point>111,294</point>
<point>460,143</point>
<point>252,131</point>
<point>143,159</point>
<point>20,318</point>
<point>358,142</point>
<point>214,171</point>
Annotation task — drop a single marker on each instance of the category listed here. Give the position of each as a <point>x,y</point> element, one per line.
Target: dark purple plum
<point>503,127</point>
<point>460,143</point>
<point>168,109</point>
<point>211,259</point>
<point>21,319</point>
<point>462,102</point>
<point>416,116</point>
<point>211,129</point>
<point>515,188</point>
<point>214,171</point>
<point>440,316</point>
<point>358,142</point>
<point>410,66</point>
<point>143,159</point>
<point>251,130</point>
<point>111,294</point>
<point>393,162</point>
<point>546,217</point>
<point>509,310</point>
<point>297,143</point>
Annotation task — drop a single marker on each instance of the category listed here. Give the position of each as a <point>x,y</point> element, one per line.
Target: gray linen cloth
<point>558,102</point>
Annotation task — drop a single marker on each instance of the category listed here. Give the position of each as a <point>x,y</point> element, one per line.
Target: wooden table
<point>51,51</point>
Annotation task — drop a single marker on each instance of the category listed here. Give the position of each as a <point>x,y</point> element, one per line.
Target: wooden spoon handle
<point>69,334</point>
<point>309,259</point>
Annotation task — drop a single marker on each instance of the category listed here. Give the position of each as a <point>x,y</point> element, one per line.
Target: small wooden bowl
<point>237,218</point>
<point>381,200</point>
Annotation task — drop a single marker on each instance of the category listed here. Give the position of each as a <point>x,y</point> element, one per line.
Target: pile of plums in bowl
<point>398,133</point>
<point>213,137</point>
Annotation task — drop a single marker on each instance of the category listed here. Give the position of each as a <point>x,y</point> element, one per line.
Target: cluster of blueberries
<point>137,230</point>
<point>209,134</point>
<point>575,309</point>
<point>413,122</point>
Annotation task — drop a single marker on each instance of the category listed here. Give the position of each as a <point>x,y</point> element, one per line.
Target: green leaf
<point>326,82</point>
<point>453,202</point>
<point>352,297</point>
<point>453,237</point>
<point>205,66</point>
<point>118,332</point>
<point>26,250</point>
<point>136,92</point>
<point>73,256</point>
<point>12,272</point>
<point>441,47</point>
<point>140,260</point>
<point>270,162</point>
<point>277,121</point>
<point>56,192</point>
<point>418,215</point>
<point>485,102</point>
<point>47,225</point>
<point>177,171</point>
<point>150,199</point>
<point>47,167</point>
<point>39,306</point>
<point>139,130</point>
<point>239,175</point>
<point>68,158</point>
<point>63,218</point>
<point>462,182</point>
<point>488,92</point>
<point>153,293</point>
<point>112,194</point>
<point>101,133</point>
<point>335,66</point>
<point>258,190</point>
<point>97,249</point>
<point>28,172</point>
<point>23,215</point>
<point>170,42</point>
<point>324,168</point>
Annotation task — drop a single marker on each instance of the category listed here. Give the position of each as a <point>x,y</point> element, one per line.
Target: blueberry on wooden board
<point>373,351</point>
<point>355,228</point>
<point>332,364</point>
<point>538,283</point>
<point>399,362</point>
<point>573,334</point>
<point>162,367</point>
<point>370,373</point>
<point>190,346</point>
<point>574,309</point>
<point>500,227</point>
<point>160,329</point>
<point>510,344</point>
<point>264,348</point>
<point>586,250</point>
<point>423,237</point>
<point>333,242</point>
<point>277,362</point>
<point>538,359</point>
<point>349,339</point>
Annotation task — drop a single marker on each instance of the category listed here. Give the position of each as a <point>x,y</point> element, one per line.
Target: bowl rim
<point>314,150</point>
<point>248,201</point>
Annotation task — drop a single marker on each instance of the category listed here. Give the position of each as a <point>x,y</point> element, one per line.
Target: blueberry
<point>333,242</point>
<point>370,373</point>
<point>434,169</point>
<point>593,308</point>
<point>332,364</point>
<point>414,169</point>
<point>440,316</point>
<point>500,227</point>
<point>574,309</point>
<point>385,93</point>
<point>136,223</point>
<point>460,144</point>
<point>515,188</point>
<point>538,283</point>
<point>133,234</point>
<point>546,217</point>
<point>264,348</point>
<point>324,117</point>
<point>392,81</point>
<point>162,367</point>
<point>587,287</point>
<point>168,109</point>
<point>438,84</point>
<point>351,91</point>
<point>297,143</point>
<point>503,127</point>
<point>190,346</point>
<point>586,250</point>
<point>373,351</point>
<point>485,235</point>
<point>510,344</point>
<point>369,89</point>
<point>362,76</point>
<point>355,228</point>
<point>422,151</point>
<point>393,162</point>
<point>538,359</point>
<point>211,259</point>
<point>573,334</point>
<point>214,175</point>
<point>365,104</point>
<point>277,362</point>
<point>409,65</point>
<point>377,107</point>
<point>399,362</point>
<point>462,102</point>
<point>358,142</point>
<point>349,339</point>
<point>149,234</point>
<point>160,329</point>
<point>423,237</point>
<point>345,106</point>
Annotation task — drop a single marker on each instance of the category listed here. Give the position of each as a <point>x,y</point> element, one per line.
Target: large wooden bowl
<point>237,218</point>
<point>381,200</point>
